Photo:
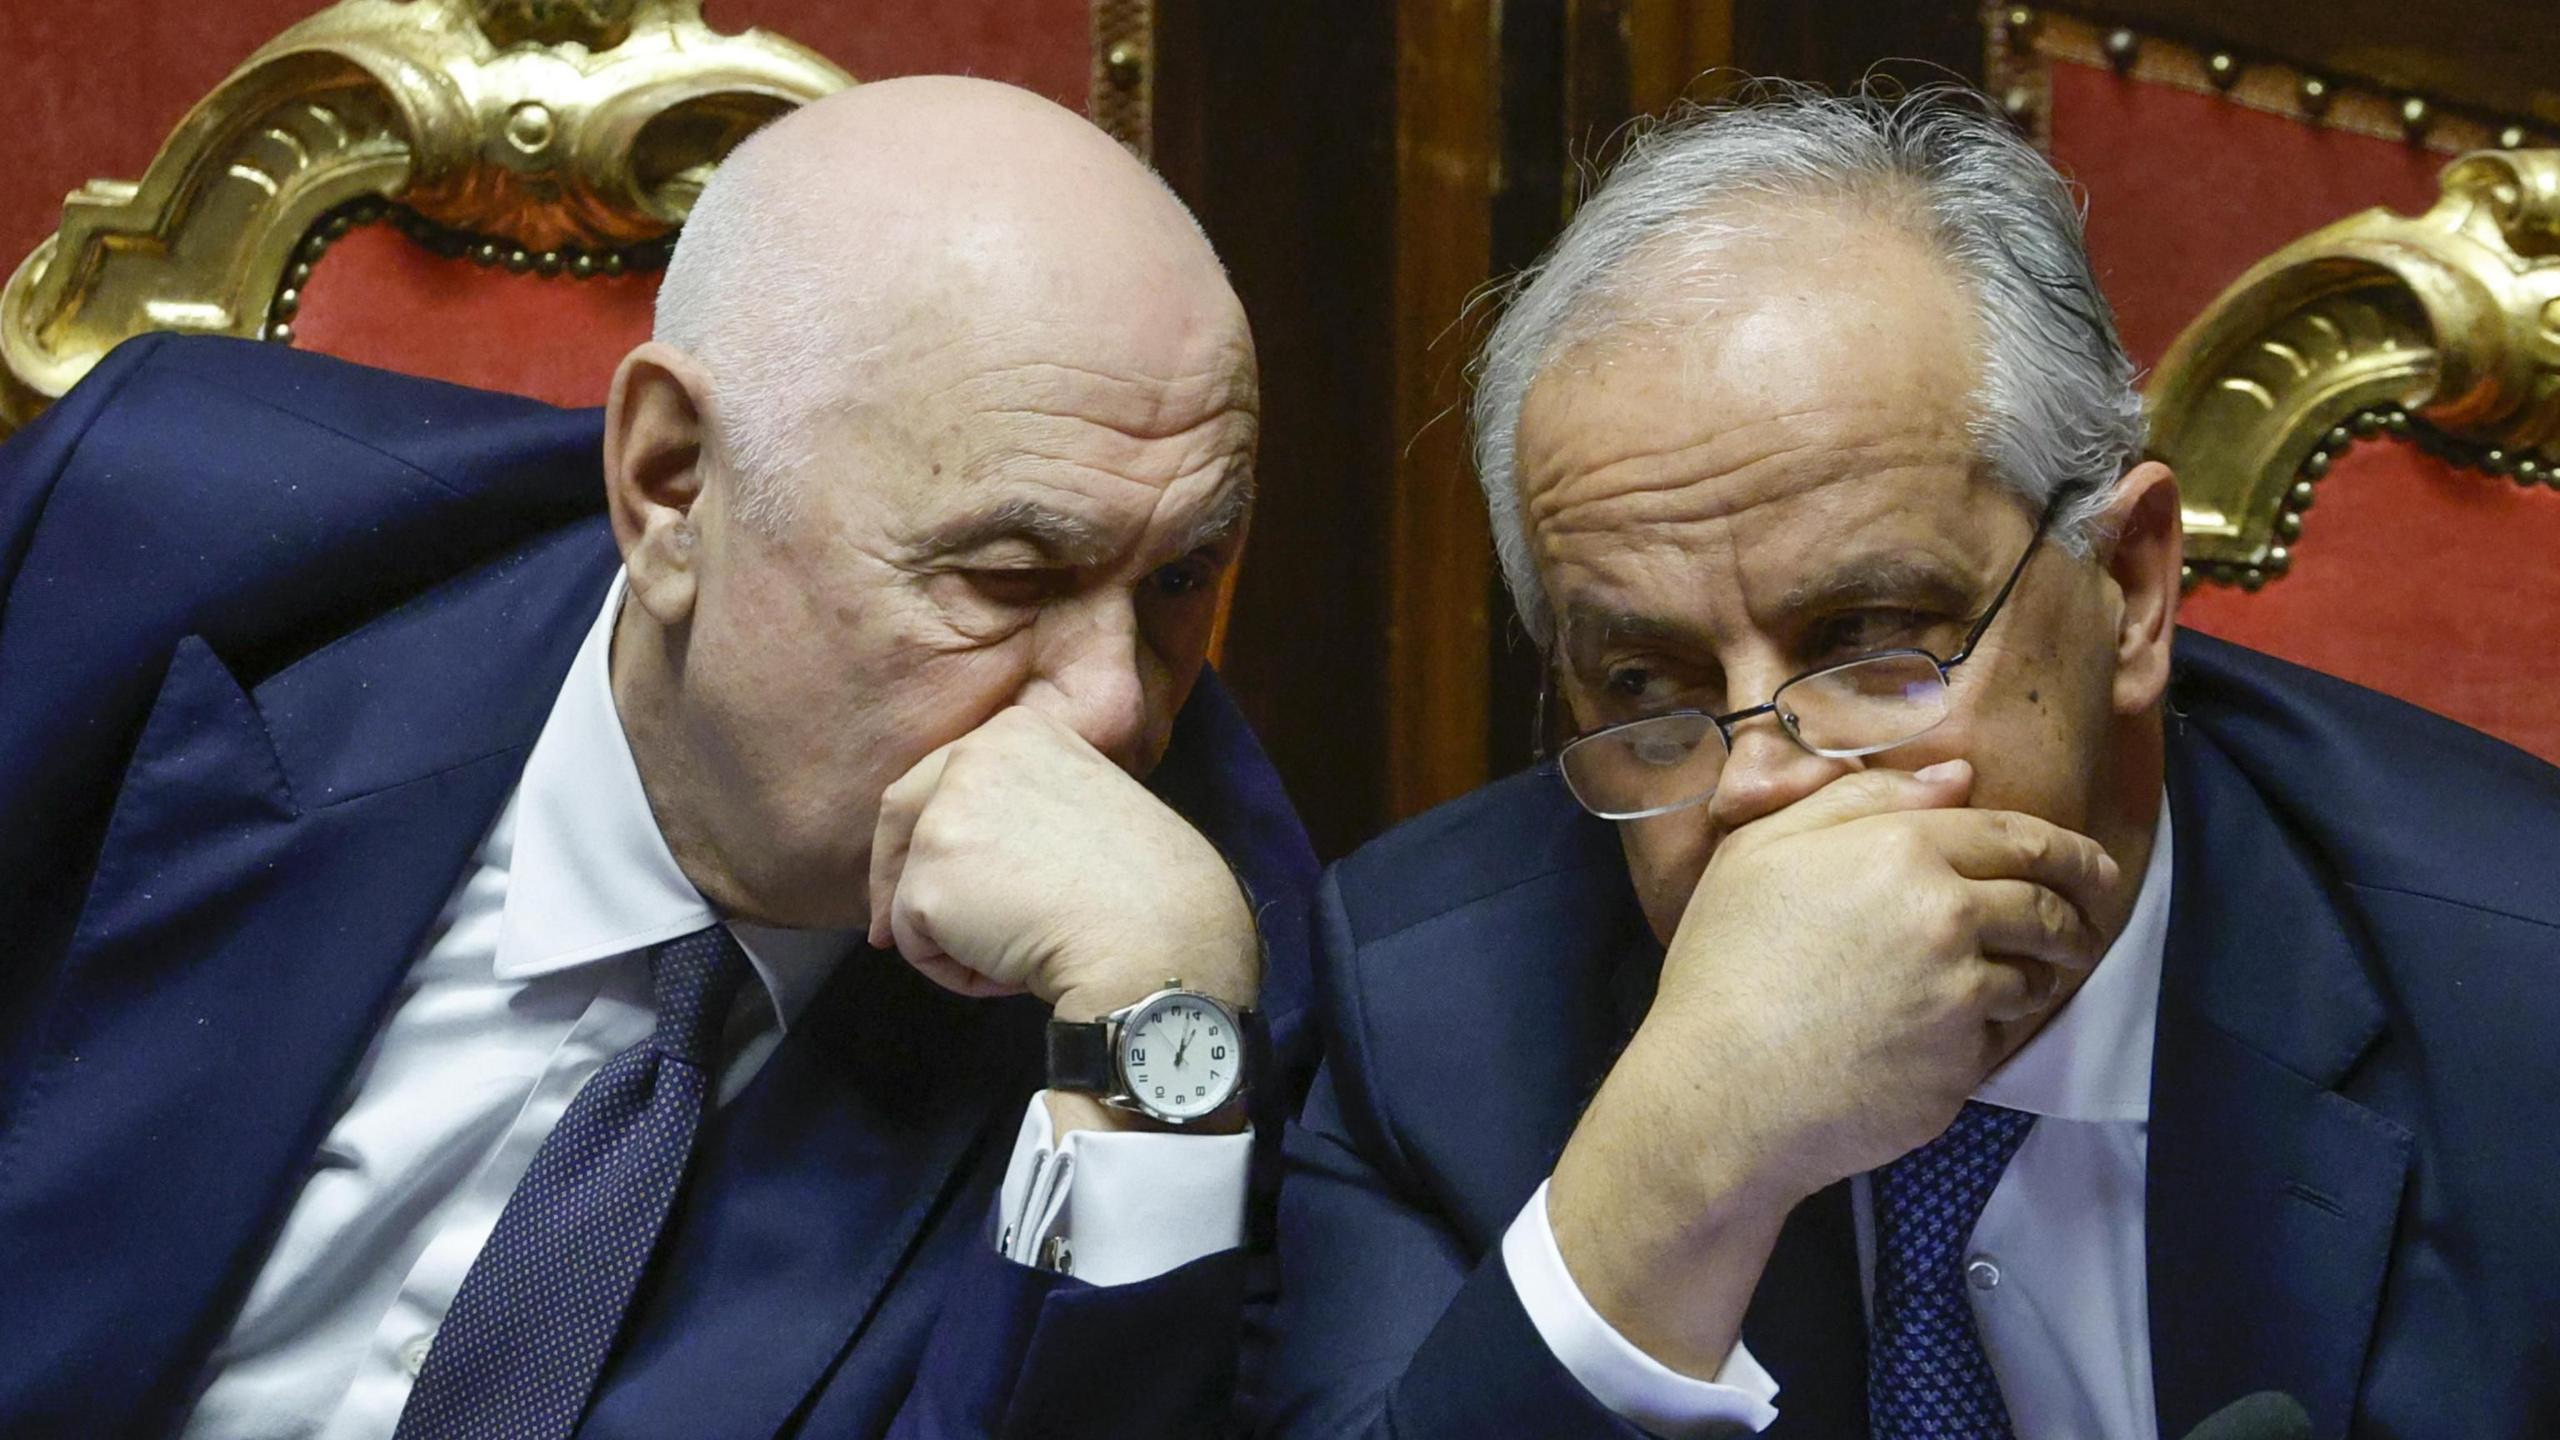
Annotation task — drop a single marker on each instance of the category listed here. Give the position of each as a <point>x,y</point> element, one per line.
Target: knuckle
<point>1947,922</point>
<point>1904,848</point>
<point>2055,914</point>
<point>2089,857</point>
<point>917,902</point>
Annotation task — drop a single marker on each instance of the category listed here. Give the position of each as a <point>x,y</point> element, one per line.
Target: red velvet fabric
<point>93,89</point>
<point>2430,583</point>
<point>2187,191</point>
<point>2424,581</point>
<point>381,298</point>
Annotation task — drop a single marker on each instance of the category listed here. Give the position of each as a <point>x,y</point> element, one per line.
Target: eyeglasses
<point>1640,768</point>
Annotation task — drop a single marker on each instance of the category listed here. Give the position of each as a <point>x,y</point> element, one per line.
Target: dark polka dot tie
<point>528,1332</point>
<point>1928,1377</point>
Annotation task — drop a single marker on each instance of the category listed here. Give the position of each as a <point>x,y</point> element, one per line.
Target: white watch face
<point>1181,1055</point>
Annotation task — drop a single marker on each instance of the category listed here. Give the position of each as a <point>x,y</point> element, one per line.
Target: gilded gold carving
<point>554,124</point>
<point>2447,317</point>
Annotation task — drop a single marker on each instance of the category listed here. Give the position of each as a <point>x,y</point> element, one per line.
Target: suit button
<point>413,1354</point>
<point>1982,1273</point>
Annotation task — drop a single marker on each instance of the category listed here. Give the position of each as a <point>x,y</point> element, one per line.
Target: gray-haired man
<point>1914,1003</point>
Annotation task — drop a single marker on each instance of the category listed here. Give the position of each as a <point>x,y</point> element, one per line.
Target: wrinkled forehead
<point>1795,368</point>
<point>1817,405</point>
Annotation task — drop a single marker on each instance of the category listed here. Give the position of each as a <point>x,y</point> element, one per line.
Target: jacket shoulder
<point>2395,798</point>
<point>1513,832</point>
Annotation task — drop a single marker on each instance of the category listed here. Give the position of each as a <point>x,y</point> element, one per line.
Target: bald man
<point>734,917</point>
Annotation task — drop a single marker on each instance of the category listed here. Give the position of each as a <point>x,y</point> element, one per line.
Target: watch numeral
<point>1159,1092</point>
<point>1202,1091</point>
<point>1217,1052</point>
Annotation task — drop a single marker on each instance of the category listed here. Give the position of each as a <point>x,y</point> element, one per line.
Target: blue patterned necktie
<point>1928,1377</point>
<point>529,1329</point>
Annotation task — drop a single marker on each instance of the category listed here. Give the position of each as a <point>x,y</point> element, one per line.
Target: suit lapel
<point>2272,1198</point>
<point>273,864</point>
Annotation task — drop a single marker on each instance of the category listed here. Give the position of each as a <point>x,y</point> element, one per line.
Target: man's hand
<point>1827,1004</point>
<point>1018,858</point>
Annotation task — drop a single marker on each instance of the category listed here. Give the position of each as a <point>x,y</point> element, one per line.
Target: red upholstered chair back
<point>383,179</point>
<point>2351,360</point>
<point>482,191</point>
<point>531,160</point>
<point>393,293</point>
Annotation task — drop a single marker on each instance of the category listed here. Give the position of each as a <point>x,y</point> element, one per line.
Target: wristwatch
<point>1176,1056</point>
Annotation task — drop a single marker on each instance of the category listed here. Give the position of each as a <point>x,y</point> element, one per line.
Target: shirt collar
<point>2092,1061</point>
<point>590,877</point>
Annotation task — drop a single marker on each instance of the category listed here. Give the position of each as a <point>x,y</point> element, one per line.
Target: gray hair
<point>2056,404</point>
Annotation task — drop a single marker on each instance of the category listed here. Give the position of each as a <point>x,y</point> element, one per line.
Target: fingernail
<point>1943,770</point>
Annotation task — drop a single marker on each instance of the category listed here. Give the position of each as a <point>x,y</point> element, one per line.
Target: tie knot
<point>692,980</point>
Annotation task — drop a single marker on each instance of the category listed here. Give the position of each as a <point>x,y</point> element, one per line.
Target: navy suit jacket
<point>276,634</point>
<point>2353,1162</point>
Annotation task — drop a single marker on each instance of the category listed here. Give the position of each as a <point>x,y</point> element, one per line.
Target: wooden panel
<point>1297,192</point>
<point>1837,44</point>
<point>1448,130</point>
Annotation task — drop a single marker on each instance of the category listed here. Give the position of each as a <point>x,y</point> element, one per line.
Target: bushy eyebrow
<point>1882,579</point>
<point>1070,540</point>
<point>1222,520</point>
<point>1583,632</point>
<point>1060,538</point>
<point>1887,579</point>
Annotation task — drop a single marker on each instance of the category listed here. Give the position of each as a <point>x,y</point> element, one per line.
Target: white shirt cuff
<point>1631,1384</point>
<point>1130,1205</point>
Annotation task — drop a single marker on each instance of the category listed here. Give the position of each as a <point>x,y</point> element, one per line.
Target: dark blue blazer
<point>2354,1187</point>
<point>276,634</point>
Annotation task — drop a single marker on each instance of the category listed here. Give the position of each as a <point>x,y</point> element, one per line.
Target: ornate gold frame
<point>2443,325</point>
<point>2439,327</point>
<point>572,130</point>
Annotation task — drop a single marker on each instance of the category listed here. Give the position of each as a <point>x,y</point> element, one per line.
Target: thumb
<point>1943,786</point>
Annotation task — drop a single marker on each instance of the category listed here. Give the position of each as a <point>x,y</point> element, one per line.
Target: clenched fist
<point>1019,858</point>
<point>1847,971</point>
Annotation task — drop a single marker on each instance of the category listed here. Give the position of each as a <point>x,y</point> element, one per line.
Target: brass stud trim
<point>484,250</point>
<point>2524,470</point>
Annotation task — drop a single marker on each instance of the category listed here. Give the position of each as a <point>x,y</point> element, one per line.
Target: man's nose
<point>1766,772</point>
<point>1094,682</point>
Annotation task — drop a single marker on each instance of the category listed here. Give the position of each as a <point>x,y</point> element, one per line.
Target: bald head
<point>904,217</point>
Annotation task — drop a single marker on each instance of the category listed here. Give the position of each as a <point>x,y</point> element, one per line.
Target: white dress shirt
<point>533,976</point>
<point>2055,1270</point>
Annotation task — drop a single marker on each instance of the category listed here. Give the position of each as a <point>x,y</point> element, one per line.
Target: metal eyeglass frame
<point>1724,723</point>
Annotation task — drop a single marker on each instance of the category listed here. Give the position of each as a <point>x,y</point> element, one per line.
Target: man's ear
<point>2145,550</point>
<point>656,425</point>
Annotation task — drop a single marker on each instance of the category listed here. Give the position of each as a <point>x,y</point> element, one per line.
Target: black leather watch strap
<point>1080,1057</point>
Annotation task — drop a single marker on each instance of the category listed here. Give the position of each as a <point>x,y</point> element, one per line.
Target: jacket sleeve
<point>1390,1324</point>
<point>1027,1354</point>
